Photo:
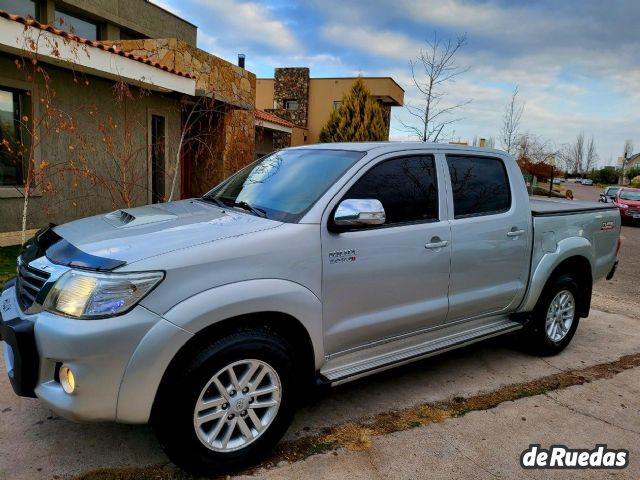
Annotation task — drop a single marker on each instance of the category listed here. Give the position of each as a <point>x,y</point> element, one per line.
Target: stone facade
<point>291,84</point>
<point>281,140</point>
<point>234,91</point>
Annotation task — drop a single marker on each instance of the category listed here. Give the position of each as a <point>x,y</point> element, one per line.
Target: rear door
<point>383,281</point>
<point>490,235</point>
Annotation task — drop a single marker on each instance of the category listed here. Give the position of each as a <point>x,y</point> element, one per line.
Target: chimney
<point>241,57</point>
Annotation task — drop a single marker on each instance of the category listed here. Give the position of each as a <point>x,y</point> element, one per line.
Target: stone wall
<point>291,84</point>
<point>281,140</point>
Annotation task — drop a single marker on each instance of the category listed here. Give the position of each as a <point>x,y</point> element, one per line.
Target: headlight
<point>93,295</point>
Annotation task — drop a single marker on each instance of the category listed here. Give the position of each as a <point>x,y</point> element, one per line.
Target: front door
<point>384,281</point>
<point>490,233</point>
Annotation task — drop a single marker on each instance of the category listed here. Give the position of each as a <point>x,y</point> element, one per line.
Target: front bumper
<point>19,351</point>
<point>97,351</point>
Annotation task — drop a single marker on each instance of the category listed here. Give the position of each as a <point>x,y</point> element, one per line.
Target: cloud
<point>243,23</point>
<point>383,43</point>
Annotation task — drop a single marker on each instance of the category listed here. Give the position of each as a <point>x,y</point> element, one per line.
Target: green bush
<point>359,118</point>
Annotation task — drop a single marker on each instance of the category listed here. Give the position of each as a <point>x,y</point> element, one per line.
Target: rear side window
<point>480,186</point>
<point>406,186</point>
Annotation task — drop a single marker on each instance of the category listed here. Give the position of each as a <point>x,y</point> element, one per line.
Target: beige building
<point>307,102</point>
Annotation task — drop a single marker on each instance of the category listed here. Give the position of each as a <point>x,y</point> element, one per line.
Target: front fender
<point>565,249</point>
<point>252,296</point>
<point>156,350</point>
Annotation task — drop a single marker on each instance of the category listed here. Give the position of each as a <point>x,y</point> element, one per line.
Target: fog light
<point>67,380</point>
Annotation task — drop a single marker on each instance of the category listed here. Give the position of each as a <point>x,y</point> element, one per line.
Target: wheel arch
<point>287,309</point>
<point>577,264</point>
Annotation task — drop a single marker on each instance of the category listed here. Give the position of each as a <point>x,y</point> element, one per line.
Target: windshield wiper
<point>255,210</point>
<point>221,202</point>
<point>215,200</point>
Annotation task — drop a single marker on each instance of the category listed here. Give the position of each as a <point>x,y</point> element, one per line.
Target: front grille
<point>633,212</point>
<point>30,282</point>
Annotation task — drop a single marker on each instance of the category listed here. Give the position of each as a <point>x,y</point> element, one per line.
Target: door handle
<point>515,233</point>
<point>436,245</point>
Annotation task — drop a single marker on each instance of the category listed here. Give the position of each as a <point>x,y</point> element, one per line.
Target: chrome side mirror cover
<point>356,211</point>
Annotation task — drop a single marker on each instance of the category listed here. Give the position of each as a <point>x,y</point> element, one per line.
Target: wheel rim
<point>560,315</point>
<point>237,405</point>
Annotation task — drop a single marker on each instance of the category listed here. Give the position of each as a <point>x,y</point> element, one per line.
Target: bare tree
<point>511,123</point>
<point>436,67</point>
<point>592,155</point>
<point>628,148</point>
<point>626,154</point>
<point>534,149</point>
<point>573,155</point>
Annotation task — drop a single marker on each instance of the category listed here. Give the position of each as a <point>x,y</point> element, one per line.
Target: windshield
<point>612,190</point>
<point>627,195</point>
<point>284,185</point>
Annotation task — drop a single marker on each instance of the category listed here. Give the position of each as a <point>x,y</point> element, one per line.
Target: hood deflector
<point>60,251</point>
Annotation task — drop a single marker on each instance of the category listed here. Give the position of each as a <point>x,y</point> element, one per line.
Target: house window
<point>11,167</point>
<point>158,136</point>
<point>80,27</point>
<point>291,104</point>
<point>24,8</point>
<point>336,104</point>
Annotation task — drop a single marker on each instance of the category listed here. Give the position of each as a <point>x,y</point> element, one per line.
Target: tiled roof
<point>270,117</point>
<point>34,23</point>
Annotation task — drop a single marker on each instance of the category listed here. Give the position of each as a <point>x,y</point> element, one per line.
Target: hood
<point>631,203</point>
<point>134,234</point>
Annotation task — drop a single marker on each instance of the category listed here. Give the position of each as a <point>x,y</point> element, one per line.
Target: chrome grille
<point>30,282</point>
<point>633,212</point>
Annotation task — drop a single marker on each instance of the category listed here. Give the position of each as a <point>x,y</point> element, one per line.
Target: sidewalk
<point>488,444</point>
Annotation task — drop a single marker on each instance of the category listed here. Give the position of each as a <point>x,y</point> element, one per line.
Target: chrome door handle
<point>515,233</point>
<point>436,245</point>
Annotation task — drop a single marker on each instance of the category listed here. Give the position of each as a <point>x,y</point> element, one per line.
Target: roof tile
<point>270,117</point>
<point>109,48</point>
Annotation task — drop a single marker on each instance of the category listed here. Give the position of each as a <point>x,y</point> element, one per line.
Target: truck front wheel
<point>228,405</point>
<point>555,319</point>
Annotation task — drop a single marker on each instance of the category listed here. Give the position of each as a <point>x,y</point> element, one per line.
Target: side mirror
<point>352,212</point>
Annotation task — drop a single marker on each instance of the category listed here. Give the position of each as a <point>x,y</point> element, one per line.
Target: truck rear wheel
<point>555,319</point>
<point>228,405</point>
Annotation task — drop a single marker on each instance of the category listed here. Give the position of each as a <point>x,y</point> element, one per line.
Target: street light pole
<point>552,162</point>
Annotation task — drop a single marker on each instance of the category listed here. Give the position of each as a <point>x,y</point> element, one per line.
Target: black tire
<point>173,413</point>
<point>534,336</point>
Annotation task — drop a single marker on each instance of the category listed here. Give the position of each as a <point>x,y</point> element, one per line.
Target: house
<point>307,101</point>
<point>95,100</point>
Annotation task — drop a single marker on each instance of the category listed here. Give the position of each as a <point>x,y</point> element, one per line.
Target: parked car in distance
<point>628,202</point>
<point>211,317</point>
<point>608,195</point>
<point>586,181</point>
<point>557,181</point>
<point>577,180</point>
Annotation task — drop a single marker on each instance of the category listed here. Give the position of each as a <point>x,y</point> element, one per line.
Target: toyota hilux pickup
<point>211,317</point>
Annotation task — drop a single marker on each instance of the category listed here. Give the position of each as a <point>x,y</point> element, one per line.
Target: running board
<point>353,365</point>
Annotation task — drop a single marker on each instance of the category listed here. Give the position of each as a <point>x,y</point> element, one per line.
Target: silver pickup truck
<point>211,317</point>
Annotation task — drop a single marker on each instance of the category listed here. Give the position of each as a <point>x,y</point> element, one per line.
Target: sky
<point>576,63</point>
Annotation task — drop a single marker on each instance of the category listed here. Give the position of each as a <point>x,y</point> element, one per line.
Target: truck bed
<point>543,207</point>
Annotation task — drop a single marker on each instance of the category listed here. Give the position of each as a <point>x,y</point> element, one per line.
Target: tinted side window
<point>406,187</point>
<point>480,186</point>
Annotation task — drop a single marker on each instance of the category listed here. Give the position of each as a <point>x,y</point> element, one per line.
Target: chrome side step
<point>354,365</point>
